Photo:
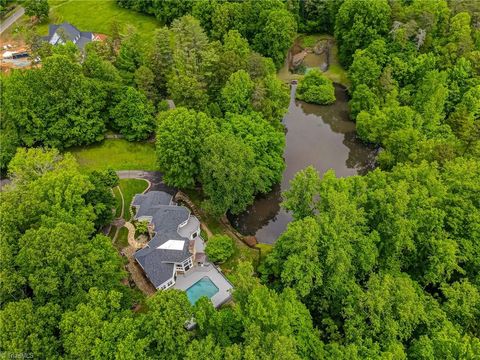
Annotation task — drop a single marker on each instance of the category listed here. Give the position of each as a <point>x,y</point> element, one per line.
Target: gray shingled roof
<point>82,42</point>
<point>51,29</point>
<point>70,31</point>
<point>157,271</point>
<point>158,263</point>
<point>152,198</point>
<point>80,38</point>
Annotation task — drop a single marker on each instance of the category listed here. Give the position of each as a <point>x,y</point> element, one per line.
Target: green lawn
<point>97,15</point>
<point>118,202</point>
<point>112,232</point>
<point>242,253</point>
<point>116,154</point>
<point>131,187</point>
<point>122,238</point>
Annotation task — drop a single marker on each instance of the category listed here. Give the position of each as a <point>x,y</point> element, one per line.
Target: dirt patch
<point>13,45</point>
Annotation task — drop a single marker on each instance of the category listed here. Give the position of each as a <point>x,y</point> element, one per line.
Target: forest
<point>379,266</point>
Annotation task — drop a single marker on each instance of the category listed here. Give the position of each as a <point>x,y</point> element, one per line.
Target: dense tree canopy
<point>54,105</point>
<point>358,23</point>
<point>37,8</point>
<point>380,266</point>
<point>181,134</point>
<point>192,147</point>
<point>268,25</point>
<point>132,114</point>
<point>227,172</point>
<point>220,248</point>
<point>386,250</point>
<point>410,91</point>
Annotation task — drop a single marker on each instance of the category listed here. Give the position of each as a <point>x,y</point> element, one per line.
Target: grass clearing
<point>97,15</point>
<point>113,230</point>
<point>116,154</point>
<point>265,249</point>
<point>335,71</point>
<point>122,238</point>
<point>309,40</point>
<point>118,202</point>
<point>131,187</point>
<point>242,253</point>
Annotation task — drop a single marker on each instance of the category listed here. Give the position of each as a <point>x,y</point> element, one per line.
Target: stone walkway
<point>131,236</point>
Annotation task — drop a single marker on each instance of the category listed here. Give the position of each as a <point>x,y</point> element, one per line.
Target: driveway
<point>155,178</point>
<point>11,19</point>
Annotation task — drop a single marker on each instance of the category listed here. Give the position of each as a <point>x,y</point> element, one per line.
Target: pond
<point>321,136</point>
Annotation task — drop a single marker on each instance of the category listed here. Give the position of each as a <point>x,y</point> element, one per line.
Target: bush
<point>220,248</point>
<point>309,41</point>
<point>300,69</point>
<point>316,88</point>
<point>141,228</point>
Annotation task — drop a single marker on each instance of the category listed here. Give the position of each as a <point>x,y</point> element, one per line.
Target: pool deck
<point>183,282</point>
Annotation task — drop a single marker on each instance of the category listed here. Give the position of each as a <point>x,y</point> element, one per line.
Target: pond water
<point>321,136</point>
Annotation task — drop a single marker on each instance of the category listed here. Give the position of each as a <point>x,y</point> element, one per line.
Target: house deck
<point>183,282</point>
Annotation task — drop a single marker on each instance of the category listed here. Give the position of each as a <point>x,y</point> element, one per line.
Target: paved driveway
<point>11,19</point>
<point>155,178</point>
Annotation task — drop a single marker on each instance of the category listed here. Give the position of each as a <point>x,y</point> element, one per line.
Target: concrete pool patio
<point>195,274</point>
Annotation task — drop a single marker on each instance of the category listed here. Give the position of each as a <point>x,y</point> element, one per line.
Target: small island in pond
<point>315,88</point>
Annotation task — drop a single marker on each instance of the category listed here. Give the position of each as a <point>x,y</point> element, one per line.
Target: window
<point>188,263</point>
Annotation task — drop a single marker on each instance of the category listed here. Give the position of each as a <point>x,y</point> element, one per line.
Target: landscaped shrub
<point>316,88</point>
<point>220,248</point>
<point>141,228</point>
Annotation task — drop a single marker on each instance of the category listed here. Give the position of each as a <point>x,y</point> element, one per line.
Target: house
<point>176,245</point>
<point>60,34</point>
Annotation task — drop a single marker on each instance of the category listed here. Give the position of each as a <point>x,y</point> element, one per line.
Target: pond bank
<point>326,59</point>
<point>321,136</point>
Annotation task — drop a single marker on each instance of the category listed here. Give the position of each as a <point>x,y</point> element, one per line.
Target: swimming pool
<point>203,287</point>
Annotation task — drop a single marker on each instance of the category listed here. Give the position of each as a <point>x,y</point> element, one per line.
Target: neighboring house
<point>176,245</point>
<point>60,34</point>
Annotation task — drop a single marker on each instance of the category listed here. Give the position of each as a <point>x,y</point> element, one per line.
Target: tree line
<point>121,84</point>
<point>62,296</point>
<point>387,263</point>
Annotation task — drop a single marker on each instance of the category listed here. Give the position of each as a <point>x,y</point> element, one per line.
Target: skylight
<point>172,245</point>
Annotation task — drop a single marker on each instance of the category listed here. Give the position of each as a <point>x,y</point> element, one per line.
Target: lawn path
<point>118,223</point>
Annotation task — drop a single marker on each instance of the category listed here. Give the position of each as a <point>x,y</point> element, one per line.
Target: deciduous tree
<point>181,139</point>
<point>132,114</point>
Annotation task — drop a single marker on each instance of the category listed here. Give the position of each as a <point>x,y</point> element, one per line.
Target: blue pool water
<point>203,287</point>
